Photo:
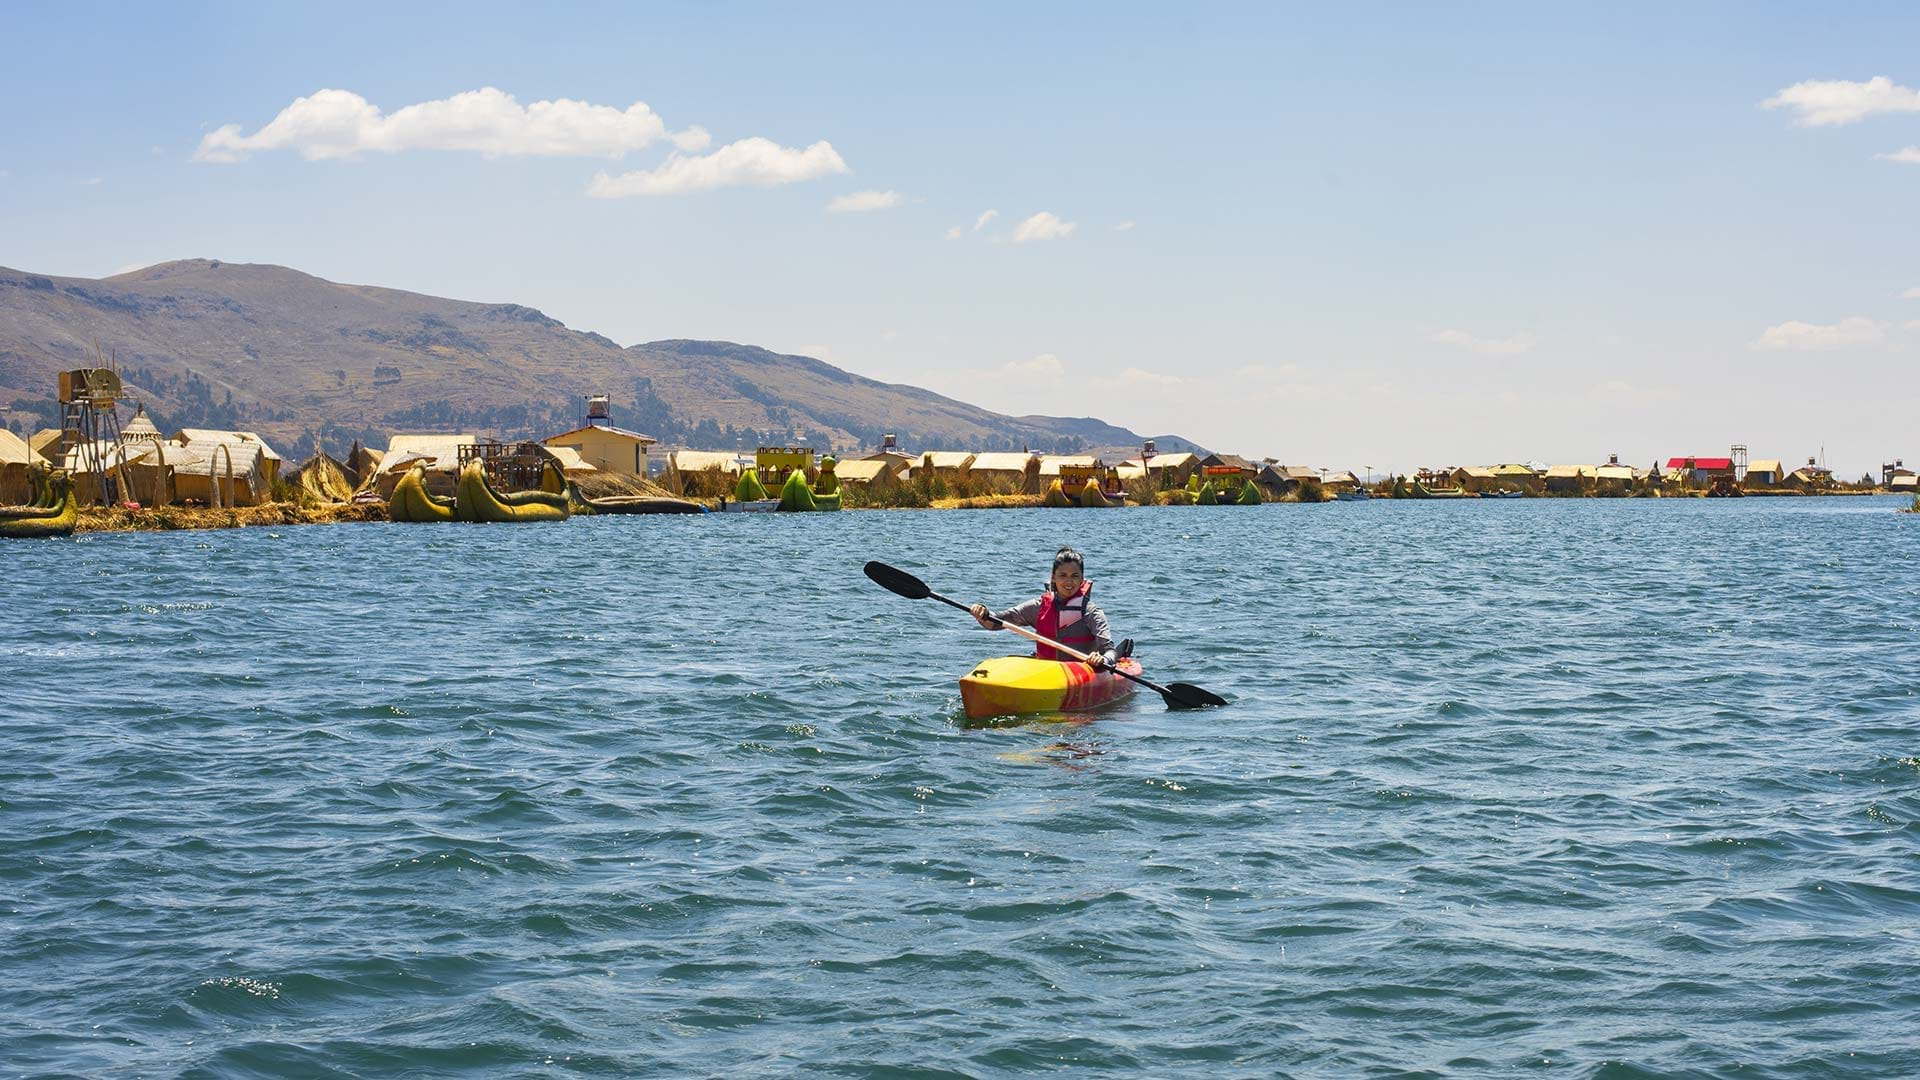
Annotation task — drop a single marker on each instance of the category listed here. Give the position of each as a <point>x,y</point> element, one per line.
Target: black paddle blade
<point>1188,696</point>
<point>896,580</point>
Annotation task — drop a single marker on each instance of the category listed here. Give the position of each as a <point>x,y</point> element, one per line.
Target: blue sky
<point>1390,236</point>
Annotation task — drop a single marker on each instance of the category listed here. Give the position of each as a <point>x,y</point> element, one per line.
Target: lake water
<point>1578,787</point>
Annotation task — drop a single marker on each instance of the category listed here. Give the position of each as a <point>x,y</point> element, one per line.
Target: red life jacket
<point>1065,622</point>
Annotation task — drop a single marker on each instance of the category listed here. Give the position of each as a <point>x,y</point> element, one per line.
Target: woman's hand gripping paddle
<point>1176,695</point>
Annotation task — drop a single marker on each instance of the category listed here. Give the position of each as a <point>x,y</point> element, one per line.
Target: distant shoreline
<point>95,520</point>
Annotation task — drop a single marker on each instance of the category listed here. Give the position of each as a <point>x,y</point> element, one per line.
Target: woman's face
<point>1067,578</point>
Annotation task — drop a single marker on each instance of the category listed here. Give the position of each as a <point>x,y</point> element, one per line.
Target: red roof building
<point>1701,470</point>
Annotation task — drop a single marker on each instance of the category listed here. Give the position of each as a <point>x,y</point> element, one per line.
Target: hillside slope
<point>307,361</point>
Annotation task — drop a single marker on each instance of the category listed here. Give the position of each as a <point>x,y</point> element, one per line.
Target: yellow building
<point>773,463</point>
<point>607,448</point>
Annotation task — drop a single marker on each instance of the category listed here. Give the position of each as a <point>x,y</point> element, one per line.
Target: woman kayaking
<point>1065,613</point>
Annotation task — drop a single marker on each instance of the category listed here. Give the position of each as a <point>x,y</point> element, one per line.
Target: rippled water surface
<point>1602,788</point>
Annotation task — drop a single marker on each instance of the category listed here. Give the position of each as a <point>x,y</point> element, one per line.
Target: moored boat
<point>1009,685</point>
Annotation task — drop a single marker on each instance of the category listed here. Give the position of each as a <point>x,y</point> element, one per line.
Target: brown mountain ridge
<point>313,363</point>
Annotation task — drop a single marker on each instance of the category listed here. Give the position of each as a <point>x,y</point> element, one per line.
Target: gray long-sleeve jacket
<point>1096,620</point>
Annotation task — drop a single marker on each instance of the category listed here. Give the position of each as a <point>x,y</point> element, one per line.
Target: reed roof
<point>1002,461</point>
<point>199,436</point>
<point>14,449</point>
<point>1050,464</point>
<point>702,460</point>
<point>571,462</point>
<point>866,470</point>
<point>43,441</point>
<point>139,427</point>
<point>440,453</point>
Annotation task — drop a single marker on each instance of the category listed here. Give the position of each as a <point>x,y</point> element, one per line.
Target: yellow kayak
<point>1007,685</point>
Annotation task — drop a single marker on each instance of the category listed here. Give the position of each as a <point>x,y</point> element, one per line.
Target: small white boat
<point>754,506</point>
<point>1354,495</point>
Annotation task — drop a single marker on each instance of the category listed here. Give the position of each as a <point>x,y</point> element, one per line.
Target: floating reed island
<point>95,475</point>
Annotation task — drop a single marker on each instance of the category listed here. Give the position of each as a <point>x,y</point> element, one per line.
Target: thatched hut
<point>948,465</point>
<point>1275,481</point>
<point>438,455</point>
<point>1214,466</point>
<point>876,475</point>
<point>1613,477</point>
<point>1052,464</point>
<point>218,474</point>
<point>703,473</point>
<point>1007,472</point>
<point>1476,478</point>
<point>270,463</point>
<point>325,479</point>
<point>1163,470</point>
<point>15,456</point>
<point>1571,479</point>
<point>45,445</point>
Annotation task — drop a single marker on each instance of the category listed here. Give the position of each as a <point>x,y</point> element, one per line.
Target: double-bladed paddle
<point>1177,695</point>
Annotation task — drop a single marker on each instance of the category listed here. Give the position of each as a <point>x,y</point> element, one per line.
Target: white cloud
<point>1810,336</point>
<point>1507,346</point>
<point>340,123</point>
<point>1911,294</point>
<point>1042,226</point>
<point>754,162</point>
<point>1134,376</point>
<point>1045,365</point>
<point>1909,156</point>
<point>1818,103</point>
<point>1125,226</point>
<point>1912,326</point>
<point>92,181</point>
<point>979,223</point>
<point>865,200</point>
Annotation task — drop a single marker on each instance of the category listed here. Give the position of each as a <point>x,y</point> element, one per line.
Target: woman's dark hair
<point>1068,555</point>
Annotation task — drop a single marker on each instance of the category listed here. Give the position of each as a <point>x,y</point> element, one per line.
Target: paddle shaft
<point>1056,646</point>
